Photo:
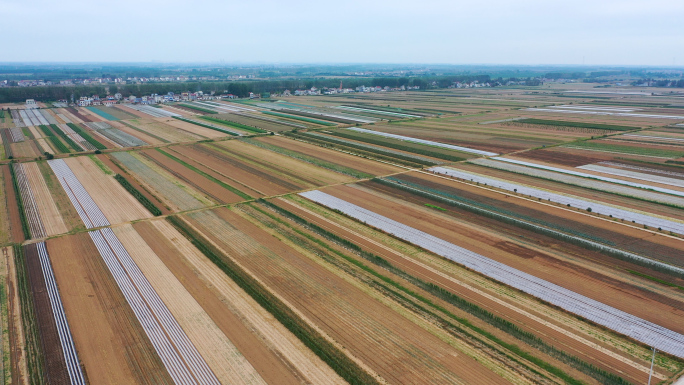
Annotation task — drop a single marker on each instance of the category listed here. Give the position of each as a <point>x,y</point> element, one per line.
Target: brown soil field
<point>357,163</point>
<point>131,111</point>
<point>49,214</point>
<point>16,233</point>
<point>118,170</point>
<point>36,133</point>
<point>249,176</point>
<point>67,211</point>
<point>90,114</point>
<point>193,128</point>
<point>115,202</point>
<point>584,345</point>
<point>283,166</point>
<point>66,112</point>
<point>227,363</point>
<point>140,135</point>
<point>641,303</point>
<point>5,228</point>
<point>276,354</point>
<point>111,343</point>
<point>25,149</point>
<point>45,146</point>
<point>54,363</point>
<point>16,339</point>
<point>557,156</point>
<point>169,133</point>
<point>79,113</point>
<point>212,190</point>
<point>390,344</point>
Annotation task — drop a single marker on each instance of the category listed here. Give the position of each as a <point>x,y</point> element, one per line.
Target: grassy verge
<point>86,136</point>
<point>34,354</point>
<point>101,165</point>
<point>205,110</point>
<point>240,126</point>
<point>310,159</point>
<point>335,358</point>
<point>138,195</point>
<point>204,174</point>
<point>654,279</point>
<point>303,119</point>
<point>20,204</point>
<point>435,207</point>
<point>626,149</point>
<point>498,322</point>
<point>563,123</point>
<point>206,126</point>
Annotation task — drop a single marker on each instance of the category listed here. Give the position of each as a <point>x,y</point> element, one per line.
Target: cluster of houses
<point>117,98</point>
<point>332,91</point>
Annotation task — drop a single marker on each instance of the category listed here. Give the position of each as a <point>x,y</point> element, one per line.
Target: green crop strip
<point>654,279</point>
<point>138,195</point>
<point>498,322</point>
<point>397,146</point>
<point>435,207</point>
<point>204,174</point>
<point>625,149</point>
<point>206,126</point>
<point>240,126</point>
<point>206,110</point>
<point>66,138</point>
<point>326,351</point>
<point>20,204</point>
<point>303,119</point>
<point>86,136</point>
<point>563,123</point>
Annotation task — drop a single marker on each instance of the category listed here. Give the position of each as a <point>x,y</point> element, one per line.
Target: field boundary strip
<point>641,330</point>
<point>29,202</point>
<point>615,212</point>
<point>180,357</point>
<point>63,330</point>
<point>422,141</point>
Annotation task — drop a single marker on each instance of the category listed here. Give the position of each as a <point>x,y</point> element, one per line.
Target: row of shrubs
<point>138,195</point>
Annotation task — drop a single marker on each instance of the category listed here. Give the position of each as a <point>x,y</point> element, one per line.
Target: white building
<point>30,103</point>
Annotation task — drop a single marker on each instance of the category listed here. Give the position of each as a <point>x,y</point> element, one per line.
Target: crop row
<point>310,159</point>
<point>398,146</point>
<point>138,195</point>
<point>86,136</point>
<point>241,126</point>
<point>498,322</point>
<point>122,138</point>
<point>644,331</point>
<point>156,112</point>
<point>28,202</point>
<point>587,241</point>
<point>209,126</point>
<point>564,123</point>
<point>205,110</point>
<point>66,138</point>
<point>570,201</point>
<point>330,354</point>
<point>6,143</point>
<point>303,119</point>
<point>65,338</point>
<point>177,352</point>
<point>635,175</point>
<point>59,146</point>
<point>601,146</point>
<point>17,134</point>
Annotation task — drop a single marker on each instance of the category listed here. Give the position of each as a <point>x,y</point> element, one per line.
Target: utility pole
<point>651,372</point>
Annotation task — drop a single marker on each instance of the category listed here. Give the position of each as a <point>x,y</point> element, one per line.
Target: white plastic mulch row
<point>179,355</point>
<point>63,330</point>
<point>39,117</point>
<point>597,108</point>
<point>637,217</point>
<point>606,113</point>
<point>64,118</point>
<point>422,141</point>
<point>647,332</point>
<point>662,138</point>
<point>98,125</point>
<point>153,111</point>
<point>76,137</point>
<point>585,175</point>
<point>17,119</point>
<point>634,174</point>
<point>17,135</point>
<point>87,209</point>
<point>51,119</point>
<point>29,202</point>
<point>641,168</point>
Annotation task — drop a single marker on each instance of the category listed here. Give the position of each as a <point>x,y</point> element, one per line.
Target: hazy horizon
<point>531,32</point>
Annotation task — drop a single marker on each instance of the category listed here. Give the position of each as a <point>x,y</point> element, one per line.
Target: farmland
<point>445,236</point>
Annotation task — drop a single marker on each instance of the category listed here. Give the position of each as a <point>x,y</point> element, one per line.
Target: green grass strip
<point>241,126</point>
<point>204,174</point>
<point>86,136</point>
<point>498,322</point>
<point>20,204</point>
<point>206,126</point>
<point>626,149</point>
<point>46,130</point>
<point>303,119</point>
<point>206,110</point>
<point>34,353</point>
<point>435,207</point>
<point>654,279</point>
<point>138,195</point>
<point>61,147</point>
<point>326,351</point>
<point>310,159</point>
<point>563,123</point>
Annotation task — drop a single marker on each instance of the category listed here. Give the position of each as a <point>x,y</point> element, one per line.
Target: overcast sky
<point>626,32</point>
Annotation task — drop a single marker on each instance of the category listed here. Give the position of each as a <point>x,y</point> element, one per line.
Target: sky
<point>591,32</point>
